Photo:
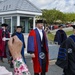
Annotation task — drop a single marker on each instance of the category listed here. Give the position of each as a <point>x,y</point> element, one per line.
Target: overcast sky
<point>62,5</point>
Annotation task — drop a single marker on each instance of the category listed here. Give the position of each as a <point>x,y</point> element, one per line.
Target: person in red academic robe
<point>38,48</point>
<point>1,50</point>
<point>4,50</point>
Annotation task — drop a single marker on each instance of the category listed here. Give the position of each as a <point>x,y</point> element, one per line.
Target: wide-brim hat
<point>39,21</point>
<point>4,24</point>
<point>19,27</point>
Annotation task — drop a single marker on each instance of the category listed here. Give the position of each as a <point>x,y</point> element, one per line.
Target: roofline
<point>21,12</point>
<point>33,5</point>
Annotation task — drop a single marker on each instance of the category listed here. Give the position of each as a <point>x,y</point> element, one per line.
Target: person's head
<point>73,28</point>
<point>4,26</point>
<point>39,24</point>
<point>19,29</point>
<point>60,27</point>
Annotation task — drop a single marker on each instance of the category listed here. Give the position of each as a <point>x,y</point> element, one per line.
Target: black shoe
<point>11,65</point>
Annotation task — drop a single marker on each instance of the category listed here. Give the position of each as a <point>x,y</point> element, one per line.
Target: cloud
<point>41,2</point>
<point>62,5</point>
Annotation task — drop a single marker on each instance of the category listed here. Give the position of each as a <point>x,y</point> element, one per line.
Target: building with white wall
<point>18,12</point>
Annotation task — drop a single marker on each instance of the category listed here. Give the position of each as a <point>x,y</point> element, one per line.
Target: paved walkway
<point>53,69</point>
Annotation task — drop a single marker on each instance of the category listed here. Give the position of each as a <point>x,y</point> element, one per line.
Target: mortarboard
<point>60,25</point>
<point>39,21</point>
<point>19,27</point>
<point>4,24</point>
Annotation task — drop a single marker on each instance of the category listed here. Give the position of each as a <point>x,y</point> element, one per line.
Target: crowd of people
<point>13,46</point>
<point>37,46</point>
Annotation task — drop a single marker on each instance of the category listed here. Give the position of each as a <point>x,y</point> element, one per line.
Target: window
<point>7,20</point>
<point>3,7</point>
<point>6,7</point>
<point>9,6</point>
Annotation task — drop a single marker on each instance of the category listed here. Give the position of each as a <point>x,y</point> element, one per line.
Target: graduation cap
<point>19,27</point>
<point>4,24</point>
<point>39,21</point>
<point>73,26</point>
<point>60,25</point>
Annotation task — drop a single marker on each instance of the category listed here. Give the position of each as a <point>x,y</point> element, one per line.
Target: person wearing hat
<point>60,35</point>
<point>37,46</point>
<point>4,51</point>
<point>19,34</point>
<point>66,55</point>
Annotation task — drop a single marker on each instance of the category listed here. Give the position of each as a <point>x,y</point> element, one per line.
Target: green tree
<point>52,15</point>
<point>70,17</point>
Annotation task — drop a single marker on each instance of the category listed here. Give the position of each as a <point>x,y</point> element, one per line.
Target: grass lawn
<point>69,32</point>
<point>51,36</point>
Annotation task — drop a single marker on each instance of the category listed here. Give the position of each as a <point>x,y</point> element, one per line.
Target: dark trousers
<point>43,68</point>
<point>68,72</point>
<point>1,58</point>
<point>7,52</point>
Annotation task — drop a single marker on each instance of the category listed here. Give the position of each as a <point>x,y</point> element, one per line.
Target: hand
<point>33,55</point>
<point>4,39</point>
<point>15,46</point>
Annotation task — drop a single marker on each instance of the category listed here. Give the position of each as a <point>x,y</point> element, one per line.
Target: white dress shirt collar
<point>40,32</point>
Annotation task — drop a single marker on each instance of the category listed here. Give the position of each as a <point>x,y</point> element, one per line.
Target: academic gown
<point>66,56</point>
<point>21,37</point>
<point>34,46</point>
<point>60,36</point>
<point>3,43</point>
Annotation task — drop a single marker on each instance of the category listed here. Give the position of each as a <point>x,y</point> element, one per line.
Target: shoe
<point>11,65</point>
